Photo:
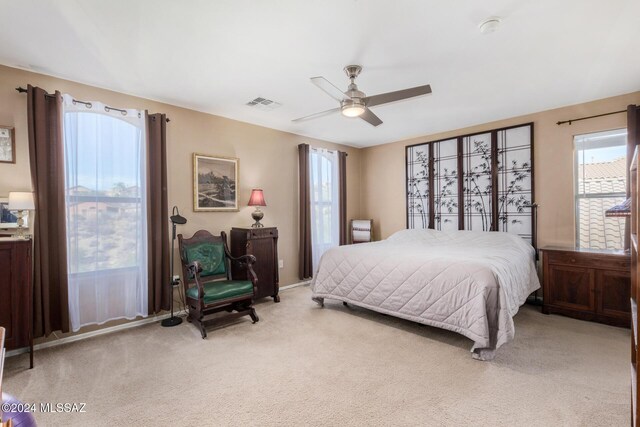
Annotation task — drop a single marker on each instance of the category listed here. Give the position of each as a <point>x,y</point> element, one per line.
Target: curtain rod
<point>88,104</point>
<point>590,117</point>
<point>326,149</point>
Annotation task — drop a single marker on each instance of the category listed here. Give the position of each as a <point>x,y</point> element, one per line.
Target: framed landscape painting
<point>215,183</point>
<point>7,145</point>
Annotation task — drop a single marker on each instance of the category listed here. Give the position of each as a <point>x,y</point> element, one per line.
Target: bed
<point>469,282</point>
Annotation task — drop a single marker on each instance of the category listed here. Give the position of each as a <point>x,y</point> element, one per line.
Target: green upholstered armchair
<point>208,285</point>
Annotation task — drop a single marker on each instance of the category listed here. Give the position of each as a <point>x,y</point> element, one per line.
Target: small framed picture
<point>215,183</point>
<point>9,219</point>
<point>7,145</point>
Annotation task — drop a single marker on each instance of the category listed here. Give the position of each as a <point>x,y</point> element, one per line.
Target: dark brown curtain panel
<point>305,262</point>
<point>158,214</point>
<point>342,190</point>
<point>46,158</point>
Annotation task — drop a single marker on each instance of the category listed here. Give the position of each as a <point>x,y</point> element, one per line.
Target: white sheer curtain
<point>324,198</point>
<point>106,210</point>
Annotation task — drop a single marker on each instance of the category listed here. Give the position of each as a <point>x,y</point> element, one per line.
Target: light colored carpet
<point>302,365</point>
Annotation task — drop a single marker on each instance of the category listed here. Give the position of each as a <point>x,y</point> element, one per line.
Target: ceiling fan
<point>354,103</point>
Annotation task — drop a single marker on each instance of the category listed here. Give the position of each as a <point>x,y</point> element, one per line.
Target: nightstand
<point>587,284</point>
<point>263,244</point>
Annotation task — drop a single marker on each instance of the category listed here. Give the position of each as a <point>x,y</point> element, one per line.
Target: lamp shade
<point>257,198</point>
<point>21,201</point>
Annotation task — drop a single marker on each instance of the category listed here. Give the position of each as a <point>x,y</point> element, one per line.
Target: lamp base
<point>21,227</point>
<point>257,215</point>
<point>171,321</point>
<point>20,234</point>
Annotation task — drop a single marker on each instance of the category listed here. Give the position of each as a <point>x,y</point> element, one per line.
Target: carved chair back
<point>212,253</point>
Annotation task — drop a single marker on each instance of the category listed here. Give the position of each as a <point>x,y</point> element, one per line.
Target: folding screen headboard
<point>482,181</point>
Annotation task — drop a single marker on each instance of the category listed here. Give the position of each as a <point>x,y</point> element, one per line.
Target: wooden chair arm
<point>244,259</point>
<point>247,261</point>
<point>195,269</point>
<point>252,276</point>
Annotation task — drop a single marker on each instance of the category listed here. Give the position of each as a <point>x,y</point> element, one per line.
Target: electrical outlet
<point>280,263</point>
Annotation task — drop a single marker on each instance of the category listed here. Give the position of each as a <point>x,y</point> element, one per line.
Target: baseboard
<point>295,285</point>
<point>116,328</point>
<point>98,332</point>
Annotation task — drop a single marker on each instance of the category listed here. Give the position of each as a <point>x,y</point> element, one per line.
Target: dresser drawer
<point>260,233</point>
<point>593,260</point>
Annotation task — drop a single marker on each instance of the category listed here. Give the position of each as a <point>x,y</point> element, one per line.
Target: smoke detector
<point>489,25</point>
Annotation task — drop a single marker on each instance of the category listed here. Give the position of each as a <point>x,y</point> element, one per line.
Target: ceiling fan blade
<point>370,118</point>
<point>398,95</point>
<point>329,88</point>
<point>316,115</point>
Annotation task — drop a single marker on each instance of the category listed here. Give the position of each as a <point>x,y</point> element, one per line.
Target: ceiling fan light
<point>353,111</point>
<point>352,108</point>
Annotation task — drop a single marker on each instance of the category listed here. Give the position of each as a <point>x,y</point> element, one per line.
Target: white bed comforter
<point>465,281</point>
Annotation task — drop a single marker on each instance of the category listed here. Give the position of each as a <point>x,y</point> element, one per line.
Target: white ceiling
<point>215,56</point>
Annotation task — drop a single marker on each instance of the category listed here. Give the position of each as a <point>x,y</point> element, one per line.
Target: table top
<point>253,228</point>
<point>560,248</point>
<point>13,239</point>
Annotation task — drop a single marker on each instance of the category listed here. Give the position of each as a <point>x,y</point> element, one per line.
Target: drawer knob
<point>573,260</point>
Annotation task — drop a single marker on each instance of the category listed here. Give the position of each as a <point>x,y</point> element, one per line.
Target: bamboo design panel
<point>481,181</point>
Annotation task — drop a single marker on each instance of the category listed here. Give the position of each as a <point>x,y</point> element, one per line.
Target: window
<point>600,183</point>
<point>105,198</point>
<point>324,199</point>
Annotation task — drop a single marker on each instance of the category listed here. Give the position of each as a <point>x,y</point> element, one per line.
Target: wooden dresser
<point>263,244</point>
<point>16,293</point>
<point>633,140</point>
<point>587,284</point>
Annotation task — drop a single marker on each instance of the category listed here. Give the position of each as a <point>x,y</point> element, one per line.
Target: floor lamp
<point>175,218</point>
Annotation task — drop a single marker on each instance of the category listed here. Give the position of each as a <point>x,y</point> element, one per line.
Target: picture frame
<point>215,183</point>
<point>8,219</point>
<point>7,145</point>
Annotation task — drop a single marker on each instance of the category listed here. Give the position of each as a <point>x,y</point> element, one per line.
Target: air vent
<point>263,104</point>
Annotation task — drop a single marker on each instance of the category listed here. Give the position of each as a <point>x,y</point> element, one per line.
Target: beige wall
<point>268,160</point>
<point>383,167</point>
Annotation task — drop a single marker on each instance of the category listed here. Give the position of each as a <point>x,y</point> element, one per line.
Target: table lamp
<point>257,200</point>
<point>21,201</point>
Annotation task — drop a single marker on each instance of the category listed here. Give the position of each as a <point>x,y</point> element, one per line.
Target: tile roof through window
<point>595,230</point>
